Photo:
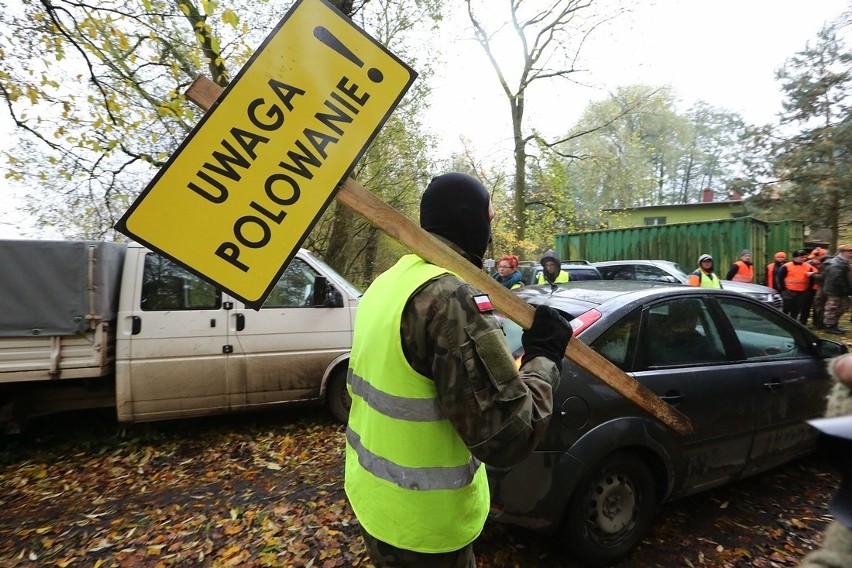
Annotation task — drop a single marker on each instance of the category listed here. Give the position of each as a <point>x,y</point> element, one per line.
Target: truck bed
<point>58,357</point>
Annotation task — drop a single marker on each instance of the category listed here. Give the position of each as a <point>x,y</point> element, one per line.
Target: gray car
<point>667,271</point>
<point>745,374</point>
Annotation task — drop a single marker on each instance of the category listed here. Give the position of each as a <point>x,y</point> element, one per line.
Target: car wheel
<point>337,396</point>
<point>610,510</point>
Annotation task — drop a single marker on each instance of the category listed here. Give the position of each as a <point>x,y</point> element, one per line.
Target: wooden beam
<point>203,92</point>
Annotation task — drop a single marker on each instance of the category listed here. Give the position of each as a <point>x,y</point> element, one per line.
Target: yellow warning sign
<point>239,196</point>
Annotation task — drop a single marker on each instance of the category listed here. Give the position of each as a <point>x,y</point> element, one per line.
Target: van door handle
<point>241,322</point>
<point>135,325</point>
<point>773,385</point>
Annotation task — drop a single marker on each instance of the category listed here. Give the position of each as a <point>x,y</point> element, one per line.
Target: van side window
<point>167,286</point>
<point>295,287</point>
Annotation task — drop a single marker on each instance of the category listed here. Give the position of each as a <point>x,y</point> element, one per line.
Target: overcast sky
<point>724,52</point>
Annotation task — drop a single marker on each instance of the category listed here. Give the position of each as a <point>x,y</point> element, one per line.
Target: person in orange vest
<point>771,278</point>
<point>794,279</point>
<point>742,270</point>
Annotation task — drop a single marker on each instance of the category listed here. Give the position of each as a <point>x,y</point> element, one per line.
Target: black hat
<point>456,206</point>
<point>549,255</point>
<point>800,252</point>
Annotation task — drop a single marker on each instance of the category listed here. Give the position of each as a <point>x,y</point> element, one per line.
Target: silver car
<point>667,271</point>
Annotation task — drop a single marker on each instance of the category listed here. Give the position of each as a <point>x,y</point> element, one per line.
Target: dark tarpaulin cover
<point>44,285</point>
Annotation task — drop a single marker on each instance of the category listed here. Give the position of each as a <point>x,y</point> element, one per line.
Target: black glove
<point>548,336</point>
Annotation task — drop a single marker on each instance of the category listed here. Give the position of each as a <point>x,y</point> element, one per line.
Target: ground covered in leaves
<point>267,490</point>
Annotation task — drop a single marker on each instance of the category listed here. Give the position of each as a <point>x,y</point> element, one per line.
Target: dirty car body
<point>747,379</point>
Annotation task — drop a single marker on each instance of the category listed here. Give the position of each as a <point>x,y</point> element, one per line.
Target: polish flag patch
<point>483,302</point>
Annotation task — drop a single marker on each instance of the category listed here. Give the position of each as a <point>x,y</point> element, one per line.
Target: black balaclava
<point>455,206</point>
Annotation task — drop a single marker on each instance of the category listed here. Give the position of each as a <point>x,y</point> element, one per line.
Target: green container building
<point>723,239</point>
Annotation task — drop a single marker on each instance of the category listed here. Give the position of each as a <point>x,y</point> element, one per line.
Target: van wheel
<point>337,396</point>
<point>611,510</point>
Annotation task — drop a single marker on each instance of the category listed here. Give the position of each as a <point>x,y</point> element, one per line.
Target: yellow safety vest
<point>561,277</point>
<point>409,477</point>
<point>704,280</point>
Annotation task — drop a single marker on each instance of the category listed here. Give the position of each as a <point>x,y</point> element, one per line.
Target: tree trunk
<point>340,242</point>
<point>520,151</point>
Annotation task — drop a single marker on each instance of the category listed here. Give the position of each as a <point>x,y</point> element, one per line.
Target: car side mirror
<point>670,278</point>
<point>828,348</point>
<point>326,295</point>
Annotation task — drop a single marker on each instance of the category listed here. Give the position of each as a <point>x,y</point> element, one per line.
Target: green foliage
<point>96,94</point>
<point>812,164</point>
<point>635,149</point>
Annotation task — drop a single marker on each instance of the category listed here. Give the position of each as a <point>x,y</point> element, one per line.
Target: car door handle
<point>241,322</point>
<point>773,385</point>
<point>673,397</point>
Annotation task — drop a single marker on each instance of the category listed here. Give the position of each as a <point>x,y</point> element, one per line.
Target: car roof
<point>657,262</point>
<point>635,261</point>
<point>577,297</point>
<point>744,287</point>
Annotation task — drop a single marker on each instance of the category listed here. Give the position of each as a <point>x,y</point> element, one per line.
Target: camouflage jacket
<point>499,412</point>
<point>838,277</point>
<point>836,549</point>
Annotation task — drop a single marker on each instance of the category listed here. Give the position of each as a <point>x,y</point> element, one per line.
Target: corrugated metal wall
<point>785,235</point>
<point>681,243</point>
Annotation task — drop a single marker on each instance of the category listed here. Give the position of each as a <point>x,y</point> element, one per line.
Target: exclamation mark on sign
<point>328,38</point>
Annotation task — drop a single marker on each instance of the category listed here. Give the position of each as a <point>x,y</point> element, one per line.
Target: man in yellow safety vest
<point>436,392</point>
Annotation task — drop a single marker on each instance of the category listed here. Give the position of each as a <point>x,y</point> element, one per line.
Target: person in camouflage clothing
<point>421,329</point>
<point>836,549</point>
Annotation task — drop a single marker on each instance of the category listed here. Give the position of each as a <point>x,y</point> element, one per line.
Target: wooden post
<point>204,92</point>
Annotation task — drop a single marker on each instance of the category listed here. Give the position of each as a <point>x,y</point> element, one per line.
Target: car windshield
<point>676,266</point>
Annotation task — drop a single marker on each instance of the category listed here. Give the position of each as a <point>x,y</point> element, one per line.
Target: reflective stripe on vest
<point>797,279</point>
<point>409,477</point>
<point>414,478</point>
<point>745,272</point>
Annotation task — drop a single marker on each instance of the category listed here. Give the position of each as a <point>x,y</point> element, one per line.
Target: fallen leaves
<point>268,491</point>
<point>155,496</point>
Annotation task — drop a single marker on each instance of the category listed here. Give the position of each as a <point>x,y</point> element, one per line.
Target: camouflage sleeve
<point>835,552</point>
<point>499,412</point>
